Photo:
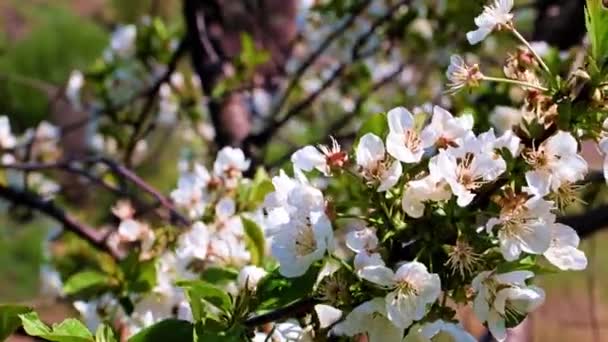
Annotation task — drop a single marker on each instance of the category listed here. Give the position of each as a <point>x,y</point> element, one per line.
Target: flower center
<point>412,140</point>
<point>466,175</point>
<point>305,240</point>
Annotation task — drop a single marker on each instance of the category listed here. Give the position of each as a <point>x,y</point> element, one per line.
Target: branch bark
<point>95,237</point>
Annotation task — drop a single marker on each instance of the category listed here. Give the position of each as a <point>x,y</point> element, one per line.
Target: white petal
<point>391,176</point>
<point>478,35</point>
<point>539,183</point>
<point>380,275</point>
<point>399,119</point>
<point>369,150</point>
<point>328,315</point>
<point>309,158</point>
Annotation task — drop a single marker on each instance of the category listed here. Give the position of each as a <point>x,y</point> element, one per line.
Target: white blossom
<point>371,318</point>
<point>404,142</point>
<point>494,16</point>
<point>445,130</point>
<point>504,118</point>
<point>300,242</point>
<point>193,243</point>
<point>375,165</point>
<point>230,165</point>
<point>73,87</point>
<point>438,330</point>
<point>413,288</point>
<point>250,276</point>
<point>322,158</point>
<point>563,251</point>
<point>461,75</point>
<point>502,296</point>
<point>122,41</point>
<point>524,227</point>
<point>557,161</point>
<point>466,168</point>
<point>7,139</point>
<point>419,192</point>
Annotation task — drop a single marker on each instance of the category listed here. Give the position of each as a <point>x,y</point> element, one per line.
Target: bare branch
<point>95,237</point>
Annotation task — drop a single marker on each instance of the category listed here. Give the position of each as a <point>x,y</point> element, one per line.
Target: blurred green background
<point>42,41</point>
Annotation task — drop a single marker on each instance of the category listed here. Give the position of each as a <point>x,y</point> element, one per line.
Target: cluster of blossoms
<point>215,239</point>
<point>428,212</point>
<point>40,144</point>
<point>423,172</point>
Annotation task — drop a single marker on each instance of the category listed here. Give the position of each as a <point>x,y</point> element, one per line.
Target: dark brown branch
<point>589,222</point>
<point>123,171</point>
<point>95,237</point>
<point>295,309</point>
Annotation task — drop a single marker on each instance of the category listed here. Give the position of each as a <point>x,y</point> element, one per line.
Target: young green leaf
<point>200,290</point>
<point>86,282</point>
<point>105,334</point>
<point>255,240</point>
<point>167,330</point>
<point>70,330</point>
<point>596,20</point>
<point>9,319</point>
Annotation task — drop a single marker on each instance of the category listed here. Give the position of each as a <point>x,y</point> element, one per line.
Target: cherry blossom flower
<point>122,41</point>
<point>461,75</point>
<point>370,318</point>
<point>194,243</point>
<point>7,139</point>
<point>467,168</point>
<point>230,165</point>
<point>438,330</point>
<point>502,296</point>
<point>447,131</point>
<point>413,287</point>
<point>375,165</point>
<point>300,242</point>
<point>191,193</point>
<point>563,251</point>
<point>557,162</point>
<point>250,276</point>
<point>404,142</point>
<point>419,192</point>
<point>524,226</point>
<point>322,158</point>
<point>495,16</point>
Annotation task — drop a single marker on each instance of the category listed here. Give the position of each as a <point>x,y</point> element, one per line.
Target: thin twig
<point>95,237</point>
<point>292,310</point>
<point>308,62</point>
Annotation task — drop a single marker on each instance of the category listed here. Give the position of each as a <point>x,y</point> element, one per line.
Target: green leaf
<point>105,334</point>
<point>256,242</point>
<point>376,124</point>
<point>214,331</point>
<point>167,330</point>
<point>219,275</point>
<point>200,290</point>
<point>139,276</point>
<point>87,282</point>
<point>70,330</point>
<point>9,319</point>
<point>261,186</point>
<point>274,290</point>
<point>596,20</point>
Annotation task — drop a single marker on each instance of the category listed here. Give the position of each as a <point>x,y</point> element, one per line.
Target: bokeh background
<point>42,41</point>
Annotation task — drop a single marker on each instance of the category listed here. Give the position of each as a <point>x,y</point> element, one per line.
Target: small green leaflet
<point>70,330</point>
<point>9,319</point>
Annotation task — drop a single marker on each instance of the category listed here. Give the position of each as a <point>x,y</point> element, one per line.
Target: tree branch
<point>297,308</point>
<point>95,237</point>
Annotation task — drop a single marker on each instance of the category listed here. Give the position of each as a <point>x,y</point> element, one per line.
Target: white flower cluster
<point>435,163</point>
<point>215,239</point>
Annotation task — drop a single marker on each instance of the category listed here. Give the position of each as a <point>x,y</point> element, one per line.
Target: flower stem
<point>527,44</point>
<point>520,83</point>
